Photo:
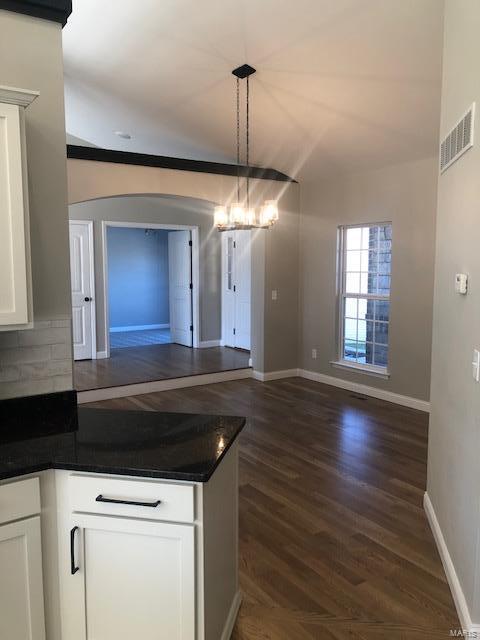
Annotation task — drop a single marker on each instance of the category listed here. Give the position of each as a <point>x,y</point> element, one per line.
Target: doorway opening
<point>151,276</point>
<point>149,286</point>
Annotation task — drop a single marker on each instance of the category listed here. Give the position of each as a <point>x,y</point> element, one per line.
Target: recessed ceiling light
<point>122,134</point>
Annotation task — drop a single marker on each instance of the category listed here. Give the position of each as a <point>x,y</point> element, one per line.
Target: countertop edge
<point>123,471</point>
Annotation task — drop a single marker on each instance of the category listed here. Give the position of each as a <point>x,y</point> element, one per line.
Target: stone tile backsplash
<point>37,360</point>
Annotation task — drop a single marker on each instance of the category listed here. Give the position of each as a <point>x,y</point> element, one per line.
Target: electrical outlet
<point>314,354</point>
<point>274,294</point>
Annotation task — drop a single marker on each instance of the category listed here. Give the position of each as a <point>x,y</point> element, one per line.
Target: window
<point>229,262</point>
<point>365,261</point>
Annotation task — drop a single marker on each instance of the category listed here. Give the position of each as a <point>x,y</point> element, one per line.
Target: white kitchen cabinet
<point>130,579</point>
<point>15,269</point>
<point>148,558</point>
<point>21,581</point>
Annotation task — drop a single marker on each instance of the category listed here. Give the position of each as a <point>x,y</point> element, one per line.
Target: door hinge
<point>234,331</point>
<point>191,327</point>
<point>234,244</point>
<point>190,243</point>
<point>191,285</point>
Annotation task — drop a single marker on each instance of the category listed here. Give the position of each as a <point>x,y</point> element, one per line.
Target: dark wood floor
<point>334,542</point>
<point>131,365</point>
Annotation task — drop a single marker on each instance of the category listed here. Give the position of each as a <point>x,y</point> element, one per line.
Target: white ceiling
<point>340,84</point>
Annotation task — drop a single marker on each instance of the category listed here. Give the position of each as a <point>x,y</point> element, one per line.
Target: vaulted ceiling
<point>340,85</point>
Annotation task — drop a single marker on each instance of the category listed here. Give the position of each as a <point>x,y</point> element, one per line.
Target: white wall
<point>454,437</point>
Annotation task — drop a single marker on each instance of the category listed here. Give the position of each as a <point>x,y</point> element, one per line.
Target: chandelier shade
<point>241,214</point>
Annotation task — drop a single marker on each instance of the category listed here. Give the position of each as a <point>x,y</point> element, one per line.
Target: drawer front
<point>132,498</point>
<point>19,499</point>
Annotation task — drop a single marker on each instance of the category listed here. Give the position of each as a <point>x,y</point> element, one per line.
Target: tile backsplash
<point>37,360</point>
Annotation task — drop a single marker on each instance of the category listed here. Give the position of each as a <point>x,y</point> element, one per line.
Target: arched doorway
<point>169,215</point>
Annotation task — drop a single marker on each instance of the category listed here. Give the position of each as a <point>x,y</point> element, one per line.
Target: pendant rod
<point>238,139</point>
<point>248,144</point>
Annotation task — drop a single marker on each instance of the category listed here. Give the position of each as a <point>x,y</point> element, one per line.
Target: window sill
<point>371,370</point>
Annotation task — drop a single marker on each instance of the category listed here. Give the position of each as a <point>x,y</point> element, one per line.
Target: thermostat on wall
<point>461,283</point>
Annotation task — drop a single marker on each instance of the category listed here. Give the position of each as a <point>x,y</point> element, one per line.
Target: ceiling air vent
<point>459,140</point>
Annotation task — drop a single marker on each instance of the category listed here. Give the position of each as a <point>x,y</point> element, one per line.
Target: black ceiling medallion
<point>55,10</point>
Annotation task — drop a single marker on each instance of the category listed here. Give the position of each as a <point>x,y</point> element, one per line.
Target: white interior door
<point>236,289</point>
<point>243,275</point>
<point>180,286</point>
<point>21,583</point>
<point>81,269</point>
<point>228,294</point>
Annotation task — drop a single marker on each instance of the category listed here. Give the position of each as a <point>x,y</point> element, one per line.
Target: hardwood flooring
<point>131,365</point>
<point>334,542</point>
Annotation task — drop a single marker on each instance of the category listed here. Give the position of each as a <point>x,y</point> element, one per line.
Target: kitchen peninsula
<point>117,524</point>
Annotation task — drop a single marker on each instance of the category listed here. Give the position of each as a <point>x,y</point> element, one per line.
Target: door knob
<point>87,299</point>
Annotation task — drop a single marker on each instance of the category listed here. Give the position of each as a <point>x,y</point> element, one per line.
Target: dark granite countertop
<point>178,446</point>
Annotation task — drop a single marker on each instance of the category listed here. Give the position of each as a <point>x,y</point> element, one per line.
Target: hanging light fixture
<point>240,214</point>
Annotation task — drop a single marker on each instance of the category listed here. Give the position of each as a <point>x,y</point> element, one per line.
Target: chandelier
<point>240,214</point>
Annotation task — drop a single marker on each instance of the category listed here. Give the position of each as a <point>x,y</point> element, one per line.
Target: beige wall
<point>454,440</point>
<point>404,194</point>
<point>31,58</point>
<point>275,252</point>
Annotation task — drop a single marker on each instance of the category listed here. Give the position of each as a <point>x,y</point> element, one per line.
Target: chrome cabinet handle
<point>135,503</point>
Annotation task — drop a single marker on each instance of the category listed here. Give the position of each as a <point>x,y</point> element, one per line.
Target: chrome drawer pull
<point>154,504</point>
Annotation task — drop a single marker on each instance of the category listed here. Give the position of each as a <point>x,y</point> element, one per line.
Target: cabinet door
<point>14,261</point>
<point>135,579</point>
<point>21,583</point>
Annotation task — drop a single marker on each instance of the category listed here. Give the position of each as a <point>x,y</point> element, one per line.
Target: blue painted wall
<point>137,276</point>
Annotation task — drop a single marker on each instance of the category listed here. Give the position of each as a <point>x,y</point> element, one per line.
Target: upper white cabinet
<point>15,271</point>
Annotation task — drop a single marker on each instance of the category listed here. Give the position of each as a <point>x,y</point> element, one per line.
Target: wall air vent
<point>459,140</point>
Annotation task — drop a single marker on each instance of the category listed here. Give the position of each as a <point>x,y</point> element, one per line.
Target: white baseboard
<point>139,327</point>
<point>274,375</point>
<point>190,381</point>
<point>381,394</point>
<point>97,395</point>
<point>232,617</point>
<point>101,355</point>
<point>207,344</point>
<point>453,581</point>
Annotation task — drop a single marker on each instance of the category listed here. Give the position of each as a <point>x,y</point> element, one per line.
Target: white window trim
<point>369,369</point>
<point>340,362</point>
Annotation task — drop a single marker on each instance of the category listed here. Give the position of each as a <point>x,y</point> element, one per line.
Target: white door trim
<point>195,271</point>
<point>91,258</point>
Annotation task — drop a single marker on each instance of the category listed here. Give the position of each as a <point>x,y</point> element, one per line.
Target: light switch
<point>461,283</point>
<point>274,294</point>
<point>476,365</point>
